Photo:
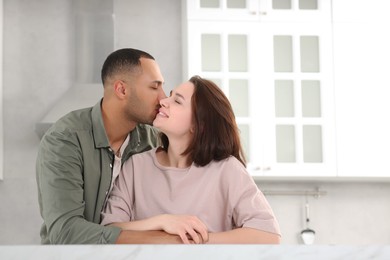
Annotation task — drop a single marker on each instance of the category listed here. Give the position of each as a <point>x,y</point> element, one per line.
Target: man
<point>81,154</point>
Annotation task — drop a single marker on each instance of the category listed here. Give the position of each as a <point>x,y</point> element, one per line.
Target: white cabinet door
<point>300,139</point>
<point>278,78</point>
<point>362,87</point>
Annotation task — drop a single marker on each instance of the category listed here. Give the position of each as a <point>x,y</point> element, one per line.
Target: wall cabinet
<point>362,67</point>
<point>272,60</point>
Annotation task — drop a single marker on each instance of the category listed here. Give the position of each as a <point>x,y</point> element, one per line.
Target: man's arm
<point>147,237</point>
<point>61,194</point>
<point>244,236</point>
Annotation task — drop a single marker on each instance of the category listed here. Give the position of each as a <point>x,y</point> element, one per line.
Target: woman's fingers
<point>184,238</point>
<point>193,235</point>
<point>189,228</point>
<point>203,233</point>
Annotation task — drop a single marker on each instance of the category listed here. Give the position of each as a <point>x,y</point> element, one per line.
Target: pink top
<point>222,194</point>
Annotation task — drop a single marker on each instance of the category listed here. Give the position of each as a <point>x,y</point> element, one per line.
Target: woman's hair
<point>122,60</point>
<point>216,135</point>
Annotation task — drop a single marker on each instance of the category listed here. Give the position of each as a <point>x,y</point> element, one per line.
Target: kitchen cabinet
<point>362,87</point>
<point>273,59</point>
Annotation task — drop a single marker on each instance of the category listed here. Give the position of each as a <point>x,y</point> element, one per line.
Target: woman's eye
<point>177,101</point>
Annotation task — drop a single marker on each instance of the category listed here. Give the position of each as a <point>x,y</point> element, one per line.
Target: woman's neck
<point>173,156</point>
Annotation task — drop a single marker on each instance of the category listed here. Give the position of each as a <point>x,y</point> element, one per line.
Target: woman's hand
<point>189,228</point>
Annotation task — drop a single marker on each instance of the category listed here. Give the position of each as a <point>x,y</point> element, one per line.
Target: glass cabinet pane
<point>211,52</point>
<point>239,97</point>
<point>236,3</point>
<point>217,82</point>
<point>281,4</point>
<point>245,140</point>
<point>312,143</point>
<point>209,3</point>
<point>284,98</point>
<point>285,144</point>
<point>311,98</point>
<point>238,58</point>
<point>283,53</point>
<point>309,54</point>
<point>308,4</point>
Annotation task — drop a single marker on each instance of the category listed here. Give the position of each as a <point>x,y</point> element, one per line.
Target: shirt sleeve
<point>250,207</point>
<point>119,207</point>
<point>59,171</point>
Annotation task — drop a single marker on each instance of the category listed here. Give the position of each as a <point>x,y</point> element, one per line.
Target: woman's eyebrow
<point>180,95</point>
<point>176,94</point>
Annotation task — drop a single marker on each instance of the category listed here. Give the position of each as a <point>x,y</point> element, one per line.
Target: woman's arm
<point>185,226</point>
<point>244,236</point>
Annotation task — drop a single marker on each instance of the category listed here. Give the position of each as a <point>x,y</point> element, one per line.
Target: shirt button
<point>110,165</point>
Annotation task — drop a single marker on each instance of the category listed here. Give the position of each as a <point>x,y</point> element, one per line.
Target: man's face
<point>146,91</point>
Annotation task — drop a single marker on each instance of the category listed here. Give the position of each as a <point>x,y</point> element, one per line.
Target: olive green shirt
<point>74,171</point>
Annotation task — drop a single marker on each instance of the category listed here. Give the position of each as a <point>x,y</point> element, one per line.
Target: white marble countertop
<point>188,252</point>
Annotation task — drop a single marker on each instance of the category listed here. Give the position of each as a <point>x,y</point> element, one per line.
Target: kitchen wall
<point>38,65</point>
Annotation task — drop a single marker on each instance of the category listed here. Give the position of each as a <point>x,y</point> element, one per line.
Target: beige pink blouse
<point>222,194</point>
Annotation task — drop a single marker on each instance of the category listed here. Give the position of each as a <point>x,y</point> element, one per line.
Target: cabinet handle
<point>253,6</point>
<point>266,169</point>
<point>263,7</point>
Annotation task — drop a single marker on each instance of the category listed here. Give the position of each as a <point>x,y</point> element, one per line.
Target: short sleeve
<point>249,205</point>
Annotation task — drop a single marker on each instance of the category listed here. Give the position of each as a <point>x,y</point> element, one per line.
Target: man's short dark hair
<point>121,60</point>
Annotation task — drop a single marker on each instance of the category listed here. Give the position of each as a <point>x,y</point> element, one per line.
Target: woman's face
<point>175,115</point>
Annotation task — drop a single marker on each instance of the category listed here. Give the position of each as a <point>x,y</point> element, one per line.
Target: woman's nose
<point>163,102</point>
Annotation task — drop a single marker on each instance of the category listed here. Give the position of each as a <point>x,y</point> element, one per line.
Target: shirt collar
<point>99,132</point>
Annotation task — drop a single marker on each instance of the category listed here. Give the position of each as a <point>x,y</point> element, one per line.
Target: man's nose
<point>162,95</point>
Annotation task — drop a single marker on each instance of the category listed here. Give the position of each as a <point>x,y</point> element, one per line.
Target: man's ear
<point>119,88</point>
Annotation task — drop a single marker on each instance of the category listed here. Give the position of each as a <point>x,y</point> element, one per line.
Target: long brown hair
<point>216,134</point>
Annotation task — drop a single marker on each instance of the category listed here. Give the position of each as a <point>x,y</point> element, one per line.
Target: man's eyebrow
<point>158,82</point>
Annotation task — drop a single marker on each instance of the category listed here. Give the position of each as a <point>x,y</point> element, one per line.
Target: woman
<point>195,185</point>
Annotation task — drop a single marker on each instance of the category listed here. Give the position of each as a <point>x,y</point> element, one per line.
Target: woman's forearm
<point>244,236</point>
<point>153,223</point>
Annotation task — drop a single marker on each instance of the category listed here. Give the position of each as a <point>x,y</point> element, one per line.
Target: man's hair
<point>216,134</point>
<point>122,60</point>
